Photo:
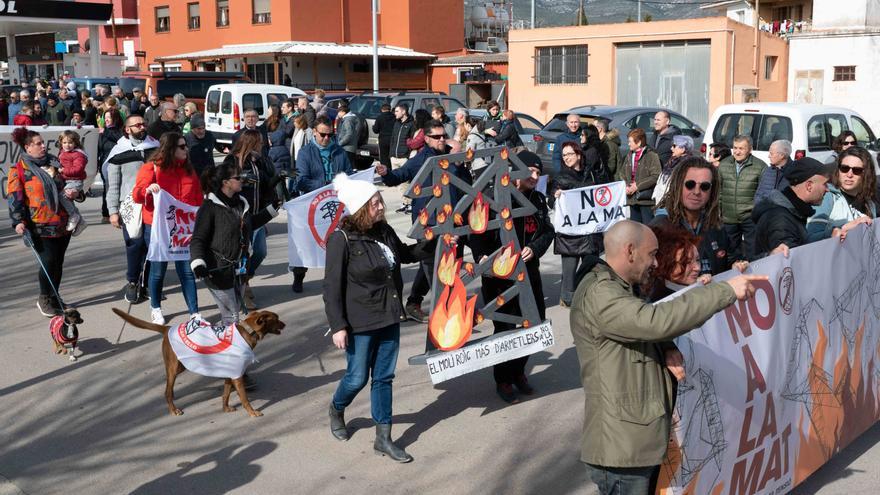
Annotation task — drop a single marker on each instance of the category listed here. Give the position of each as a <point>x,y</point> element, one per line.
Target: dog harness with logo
<point>211,350</point>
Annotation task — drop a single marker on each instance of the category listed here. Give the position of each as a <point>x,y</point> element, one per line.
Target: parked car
<point>225,105</point>
<point>331,102</point>
<point>622,118</point>
<point>526,126</point>
<point>192,84</point>
<point>368,105</point>
<point>89,83</point>
<point>810,128</point>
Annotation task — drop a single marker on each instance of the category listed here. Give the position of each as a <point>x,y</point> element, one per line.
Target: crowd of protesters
<point>690,219</point>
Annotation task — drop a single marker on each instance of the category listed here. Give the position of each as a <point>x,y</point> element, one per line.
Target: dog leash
<point>128,311</point>
<point>29,242</point>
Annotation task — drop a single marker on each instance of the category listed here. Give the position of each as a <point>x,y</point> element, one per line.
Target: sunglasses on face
<point>324,134</point>
<point>850,143</point>
<point>181,146</point>
<point>436,136</point>
<point>691,184</point>
<point>845,169</point>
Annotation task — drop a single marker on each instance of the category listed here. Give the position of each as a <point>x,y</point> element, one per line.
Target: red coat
<point>182,185</point>
<point>73,164</point>
<point>22,119</point>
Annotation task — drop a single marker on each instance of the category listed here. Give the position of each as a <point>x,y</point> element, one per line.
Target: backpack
<point>363,130</point>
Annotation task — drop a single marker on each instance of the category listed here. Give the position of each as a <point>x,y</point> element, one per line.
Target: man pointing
<point>628,396</point>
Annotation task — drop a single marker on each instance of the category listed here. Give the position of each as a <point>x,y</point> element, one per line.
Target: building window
<point>222,13</point>
<point>844,72</point>
<point>163,19</point>
<point>261,12</point>
<point>561,64</point>
<point>192,10</point>
<point>261,73</point>
<point>770,68</point>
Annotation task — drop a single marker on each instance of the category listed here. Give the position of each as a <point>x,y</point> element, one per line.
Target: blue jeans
<point>136,258</point>
<point>157,280</point>
<point>369,354</point>
<point>622,481</point>
<point>258,251</point>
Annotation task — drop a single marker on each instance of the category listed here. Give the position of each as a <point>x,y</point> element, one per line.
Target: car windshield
<point>367,107</point>
<point>558,122</point>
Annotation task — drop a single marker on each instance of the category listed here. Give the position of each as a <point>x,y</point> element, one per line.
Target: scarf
<point>50,189</point>
<point>325,152</point>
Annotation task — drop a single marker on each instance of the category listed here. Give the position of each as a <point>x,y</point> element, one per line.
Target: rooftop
<point>300,48</point>
<point>472,59</point>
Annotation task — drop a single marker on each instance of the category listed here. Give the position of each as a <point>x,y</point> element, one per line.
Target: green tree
<point>629,19</point>
<point>648,18</point>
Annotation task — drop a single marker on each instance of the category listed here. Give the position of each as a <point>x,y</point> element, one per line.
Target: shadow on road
<point>838,466</point>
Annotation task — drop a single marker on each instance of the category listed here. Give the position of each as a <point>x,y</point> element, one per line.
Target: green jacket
<point>647,173</point>
<point>612,144</point>
<point>628,394</point>
<point>738,191</point>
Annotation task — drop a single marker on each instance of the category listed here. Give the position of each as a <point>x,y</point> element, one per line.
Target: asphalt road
<point>100,425</point>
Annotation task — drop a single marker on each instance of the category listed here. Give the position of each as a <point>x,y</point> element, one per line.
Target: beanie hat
<point>354,194</point>
<point>530,159</point>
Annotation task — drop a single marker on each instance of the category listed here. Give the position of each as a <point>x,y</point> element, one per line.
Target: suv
<point>622,118</point>
<point>368,105</point>
<point>811,129</point>
<point>192,84</point>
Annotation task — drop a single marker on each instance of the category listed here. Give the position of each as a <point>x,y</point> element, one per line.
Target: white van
<point>225,105</point>
<point>810,128</point>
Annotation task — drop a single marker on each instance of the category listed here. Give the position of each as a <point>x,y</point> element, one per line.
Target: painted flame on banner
<point>449,267</point>
<point>452,320</point>
<point>478,217</point>
<point>505,261</point>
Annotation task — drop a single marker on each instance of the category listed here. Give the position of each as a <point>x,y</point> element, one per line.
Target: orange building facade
<point>191,35</point>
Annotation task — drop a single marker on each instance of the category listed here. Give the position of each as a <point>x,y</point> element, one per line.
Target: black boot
<point>384,446</point>
<point>337,423</point>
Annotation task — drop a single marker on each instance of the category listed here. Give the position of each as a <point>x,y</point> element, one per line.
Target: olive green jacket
<point>738,191</point>
<point>647,173</point>
<point>628,393</point>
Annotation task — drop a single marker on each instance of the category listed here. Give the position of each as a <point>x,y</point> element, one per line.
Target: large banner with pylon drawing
<point>778,384</point>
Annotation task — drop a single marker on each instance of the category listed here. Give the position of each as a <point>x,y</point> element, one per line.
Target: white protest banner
<point>778,384</point>
<point>490,351</point>
<point>589,210</point>
<point>172,229</point>
<point>211,350</point>
<point>311,218</point>
<point>9,151</point>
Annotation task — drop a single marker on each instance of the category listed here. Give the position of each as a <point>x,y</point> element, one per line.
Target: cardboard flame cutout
<point>478,218</point>
<point>447,271</point>
<point>505,261</point>
<point>452,320</point>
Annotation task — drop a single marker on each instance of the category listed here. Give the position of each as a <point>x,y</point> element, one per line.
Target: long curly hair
<point>868,192</point>
<point>672,199</point>
<point>671,241</point>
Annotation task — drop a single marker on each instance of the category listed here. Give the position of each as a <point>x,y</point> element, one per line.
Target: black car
<point>622,118</point>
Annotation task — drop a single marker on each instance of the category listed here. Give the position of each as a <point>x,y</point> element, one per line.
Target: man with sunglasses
<point>317,164</point>
<point>123,163</point>
<point>781,218</point>
<point>167,121</point>
<point>435,144</point>
<point>773,177</point>
<point>691,203</point>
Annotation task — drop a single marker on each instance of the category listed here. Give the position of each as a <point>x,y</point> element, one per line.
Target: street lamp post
<point>375,48</point>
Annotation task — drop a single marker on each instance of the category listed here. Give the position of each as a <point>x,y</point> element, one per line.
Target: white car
<point>225,105</point>
<point>810,128</point>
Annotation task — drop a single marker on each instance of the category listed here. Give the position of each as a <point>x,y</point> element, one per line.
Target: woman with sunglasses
<point>169,170</point>
<point>844,141</point>
<point>692,204</point>
<point>221,238</point>
<point>851,199</point>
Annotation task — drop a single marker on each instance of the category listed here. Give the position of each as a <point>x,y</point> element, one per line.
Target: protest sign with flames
<point>489,205</point>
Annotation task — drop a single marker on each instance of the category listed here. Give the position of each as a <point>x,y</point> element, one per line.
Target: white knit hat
<point>354,194</point>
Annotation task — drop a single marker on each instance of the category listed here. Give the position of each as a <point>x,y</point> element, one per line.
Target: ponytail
<point>212,178</point>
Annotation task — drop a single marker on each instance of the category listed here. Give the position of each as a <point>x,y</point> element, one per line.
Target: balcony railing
<point>262,18</point>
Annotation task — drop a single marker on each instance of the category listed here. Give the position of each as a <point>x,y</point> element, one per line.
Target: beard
<point>140,135</point>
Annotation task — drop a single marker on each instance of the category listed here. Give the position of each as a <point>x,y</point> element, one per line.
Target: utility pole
<point>375,48</point>
<point>581,13</point>
<point>533,14</point>
<point>639,12</point>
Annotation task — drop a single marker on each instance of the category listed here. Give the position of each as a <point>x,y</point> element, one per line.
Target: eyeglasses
<point>436,136</point>
<point>691,184</point>
<point>325,134</point>
<point>850,143</point>
<point>845,169</point>
<point>570,153</point>
<point>139,124</point>
<point>181,146</point>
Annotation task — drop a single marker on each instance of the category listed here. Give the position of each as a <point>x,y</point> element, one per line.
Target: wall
<point>543,101</point>
<point>823,53</point>
<point>830,14</point>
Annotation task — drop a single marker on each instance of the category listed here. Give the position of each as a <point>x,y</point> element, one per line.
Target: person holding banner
<point>851,199</point>
<point>574,249</point>
<point>171,171</point>
<point>362,298</point>
<point>221,237</point>
<point>628,396</point>
<point>640,171</point>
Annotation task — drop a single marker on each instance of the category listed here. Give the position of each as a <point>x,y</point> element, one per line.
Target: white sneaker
<point>157,316</point>
<point>196,316</point>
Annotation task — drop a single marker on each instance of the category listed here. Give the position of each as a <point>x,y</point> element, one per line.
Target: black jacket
<point>384,126</point>
<point>107,141</point>
<point>508,135</point>
<point>221,235</point>
<point>362,292</point>
<point>201,151</point>
<point>569,178</point>
<point>534,231</point>
<point>662,143</point>
<point>714,248</point>
<point>401,132</point>
<point>780,218</point>
<point>262,193</point>
<point>160,127</point>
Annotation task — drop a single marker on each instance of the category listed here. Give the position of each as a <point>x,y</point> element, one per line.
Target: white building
<point>837,61</point>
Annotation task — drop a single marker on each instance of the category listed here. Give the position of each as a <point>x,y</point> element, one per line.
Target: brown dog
<point>257,325</point>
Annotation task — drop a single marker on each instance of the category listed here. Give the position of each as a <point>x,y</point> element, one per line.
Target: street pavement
<point>100,425</point>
